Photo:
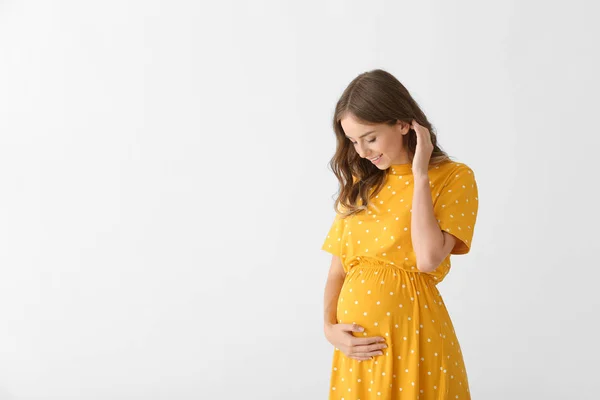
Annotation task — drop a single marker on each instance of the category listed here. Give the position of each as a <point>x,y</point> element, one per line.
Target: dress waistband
<point>373,263</point>
<point>365,262</point>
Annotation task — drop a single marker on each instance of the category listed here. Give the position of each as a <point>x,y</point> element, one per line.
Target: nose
<point>359,150</point>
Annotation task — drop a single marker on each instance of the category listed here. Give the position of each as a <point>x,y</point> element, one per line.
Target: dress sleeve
<point>456,208</point>
<point>333,241</point>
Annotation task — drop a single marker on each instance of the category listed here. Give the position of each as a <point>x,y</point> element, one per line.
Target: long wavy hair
<point>373,97</point>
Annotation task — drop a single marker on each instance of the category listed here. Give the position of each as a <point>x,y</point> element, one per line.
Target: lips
<point>373,159</point>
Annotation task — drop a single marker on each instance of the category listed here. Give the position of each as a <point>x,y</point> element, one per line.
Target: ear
<point>403,127</point>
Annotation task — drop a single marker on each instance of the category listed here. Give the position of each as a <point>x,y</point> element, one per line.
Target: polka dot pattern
<point>385,293</point>
<point>384,234</point>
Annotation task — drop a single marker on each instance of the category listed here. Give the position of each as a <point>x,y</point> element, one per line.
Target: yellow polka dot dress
<point>385,293</point>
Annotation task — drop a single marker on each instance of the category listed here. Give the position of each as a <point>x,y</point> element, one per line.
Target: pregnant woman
<point>402,209</point>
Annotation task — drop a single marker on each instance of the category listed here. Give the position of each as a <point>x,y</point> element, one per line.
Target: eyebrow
<point>363,135</point>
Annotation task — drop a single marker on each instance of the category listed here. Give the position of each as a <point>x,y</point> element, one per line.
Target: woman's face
<point>371,141</point>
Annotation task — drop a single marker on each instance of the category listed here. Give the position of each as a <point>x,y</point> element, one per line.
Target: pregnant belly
<point>387,301</point>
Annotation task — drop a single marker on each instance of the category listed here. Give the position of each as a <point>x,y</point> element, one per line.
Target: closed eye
<point>370,141</point>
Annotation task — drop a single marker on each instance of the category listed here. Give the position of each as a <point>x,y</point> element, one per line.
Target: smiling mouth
<point>376,158</point>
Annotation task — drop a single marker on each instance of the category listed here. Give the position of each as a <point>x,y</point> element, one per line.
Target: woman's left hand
<point>420,163</point>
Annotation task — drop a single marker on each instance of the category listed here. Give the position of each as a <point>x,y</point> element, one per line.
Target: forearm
<point>427,237</point>
<point>332,292</point>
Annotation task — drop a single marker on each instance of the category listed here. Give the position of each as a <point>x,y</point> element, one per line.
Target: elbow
<point>426,267</point>
<point>427,264</point>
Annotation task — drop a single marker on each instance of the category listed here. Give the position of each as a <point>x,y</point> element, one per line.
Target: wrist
<point>421,177</point>
<point>327,326</point>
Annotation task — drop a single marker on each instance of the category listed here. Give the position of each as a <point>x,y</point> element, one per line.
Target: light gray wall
<point>164,190</point>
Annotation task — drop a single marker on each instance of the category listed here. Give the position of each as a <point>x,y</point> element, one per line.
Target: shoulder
<point>452,166</point>
<point>450,174</point>
<point>453,169</point>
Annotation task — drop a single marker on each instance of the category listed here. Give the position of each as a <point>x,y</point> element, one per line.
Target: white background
<point>165,190</point>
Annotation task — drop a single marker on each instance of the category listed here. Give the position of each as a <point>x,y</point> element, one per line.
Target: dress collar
<point>401,169</point>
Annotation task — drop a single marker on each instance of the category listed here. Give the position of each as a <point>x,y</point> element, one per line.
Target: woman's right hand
<point>359,348</point>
